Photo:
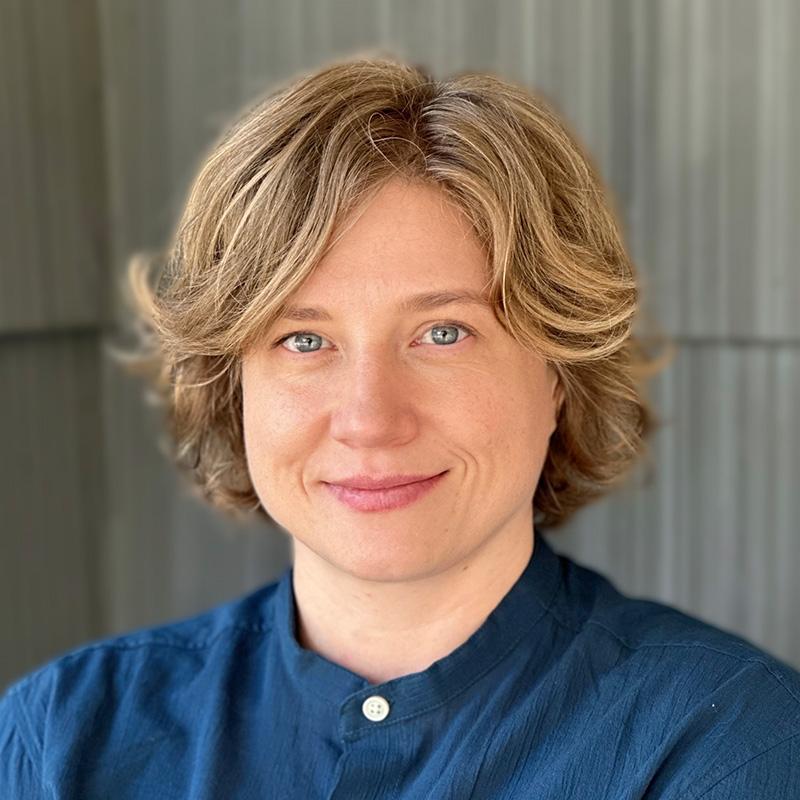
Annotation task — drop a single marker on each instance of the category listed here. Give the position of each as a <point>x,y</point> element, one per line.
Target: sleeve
<point>19,778</point>
<point>770,775</point>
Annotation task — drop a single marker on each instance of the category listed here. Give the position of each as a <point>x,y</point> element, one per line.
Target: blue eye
<point>307,338</point>
<point>449,338</point>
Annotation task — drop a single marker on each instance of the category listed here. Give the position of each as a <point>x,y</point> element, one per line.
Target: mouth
<point>376,482</point>
<point>385,498</point>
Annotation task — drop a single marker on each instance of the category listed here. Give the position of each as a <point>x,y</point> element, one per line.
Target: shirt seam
<point>23,724</point>
<point>641,646</point>
<point>738,658</point>
<point>739,766</point>
<point>132,645</point>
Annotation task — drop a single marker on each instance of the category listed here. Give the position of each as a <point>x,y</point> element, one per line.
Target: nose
<point>374,403</point>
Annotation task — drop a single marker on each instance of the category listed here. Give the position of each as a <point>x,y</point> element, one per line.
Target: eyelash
<point>442,324</point>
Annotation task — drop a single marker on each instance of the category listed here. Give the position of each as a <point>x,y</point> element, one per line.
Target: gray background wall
<point>105,112</point>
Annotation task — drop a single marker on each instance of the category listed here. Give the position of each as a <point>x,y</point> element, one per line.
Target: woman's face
<point>374,387</point>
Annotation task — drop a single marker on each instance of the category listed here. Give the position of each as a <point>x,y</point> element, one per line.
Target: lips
<point>385,499</point>
<point>372,483</point>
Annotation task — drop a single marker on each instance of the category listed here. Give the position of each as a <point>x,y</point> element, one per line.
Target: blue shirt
<point>569,689</point>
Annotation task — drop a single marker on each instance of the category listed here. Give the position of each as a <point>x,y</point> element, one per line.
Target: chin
<point>380,565</point>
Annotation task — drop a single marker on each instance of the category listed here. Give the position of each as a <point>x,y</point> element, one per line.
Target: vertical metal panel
<point>53,228</point>
<point>283,56</point>
<point>137,558</point>
<point>52,225</point>
<point>137,552</point>
<point>51,496</point>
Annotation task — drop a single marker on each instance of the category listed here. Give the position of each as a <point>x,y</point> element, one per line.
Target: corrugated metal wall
<point>688,109</point>
<point>53,266</point>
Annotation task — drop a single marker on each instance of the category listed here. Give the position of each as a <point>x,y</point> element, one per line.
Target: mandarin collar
<point>522,608</point>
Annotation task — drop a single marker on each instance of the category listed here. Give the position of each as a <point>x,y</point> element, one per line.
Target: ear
<point>558,391</point>
<point>559,395</point>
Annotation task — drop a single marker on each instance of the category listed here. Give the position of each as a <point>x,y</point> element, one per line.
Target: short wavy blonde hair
<point>260,215</point>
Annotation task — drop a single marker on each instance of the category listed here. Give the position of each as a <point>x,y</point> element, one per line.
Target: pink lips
<point>383,499</point>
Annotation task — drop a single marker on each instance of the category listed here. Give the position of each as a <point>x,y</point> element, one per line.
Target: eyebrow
<point>415,303</point>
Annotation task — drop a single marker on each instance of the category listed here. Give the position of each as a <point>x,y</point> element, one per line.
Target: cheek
<point>470,418</point>
<point>278,437</point>
<point>509,416</point>
<point>275,420</point>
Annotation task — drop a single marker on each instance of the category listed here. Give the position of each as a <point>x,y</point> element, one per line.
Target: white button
<point>375,708</point>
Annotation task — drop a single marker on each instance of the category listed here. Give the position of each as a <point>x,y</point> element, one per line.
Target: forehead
<point>407,239</point>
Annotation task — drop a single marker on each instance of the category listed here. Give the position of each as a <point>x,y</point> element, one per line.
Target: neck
<point>384,630</point>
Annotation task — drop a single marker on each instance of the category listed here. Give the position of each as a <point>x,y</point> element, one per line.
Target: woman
<point>396,321</point>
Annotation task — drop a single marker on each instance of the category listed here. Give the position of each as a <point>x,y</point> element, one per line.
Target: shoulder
<point>703,655</point>
<point>185,641</point>
<point>646,630</point>
<point>713,703</point>
<point>121,684</point>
